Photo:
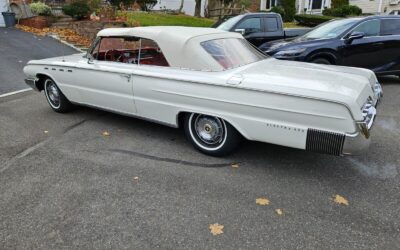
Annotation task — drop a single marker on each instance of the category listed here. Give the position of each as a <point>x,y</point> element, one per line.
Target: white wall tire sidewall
<point>47,96</point>
<point>195,140</point>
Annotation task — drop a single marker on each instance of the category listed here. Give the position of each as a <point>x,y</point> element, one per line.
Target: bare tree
<point>197,8</point>
<point>181,6</point>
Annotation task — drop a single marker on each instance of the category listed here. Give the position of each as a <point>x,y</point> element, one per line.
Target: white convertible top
<point>180,45</point>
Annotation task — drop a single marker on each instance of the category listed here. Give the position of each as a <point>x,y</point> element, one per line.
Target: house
<point>317,6</point>
<point>377,6</point>
<point>3,8</point>
<point>302,6</point>
<point>188,6</point>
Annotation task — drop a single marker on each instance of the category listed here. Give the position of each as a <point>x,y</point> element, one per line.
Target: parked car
<point>259,28</point>
<point>366,42</point>
<point>195,78</point>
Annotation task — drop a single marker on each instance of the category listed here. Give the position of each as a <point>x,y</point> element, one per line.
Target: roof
<point>178,44</point>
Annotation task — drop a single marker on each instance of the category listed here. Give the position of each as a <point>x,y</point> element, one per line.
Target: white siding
<point>367,6</point>
<point>3,7</point>
<point>188,6</point>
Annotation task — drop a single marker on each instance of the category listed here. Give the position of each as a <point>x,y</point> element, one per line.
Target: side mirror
<point>354,36</point>
<point>241,31</point>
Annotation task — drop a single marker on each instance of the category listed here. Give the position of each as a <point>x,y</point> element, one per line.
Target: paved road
<point>17,48</point>
<point>74,188</point>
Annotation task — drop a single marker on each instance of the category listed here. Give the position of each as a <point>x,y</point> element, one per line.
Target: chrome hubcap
<point>209,129</point>
<point>52,93</point>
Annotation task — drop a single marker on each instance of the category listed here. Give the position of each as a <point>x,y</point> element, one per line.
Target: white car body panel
<point>269,101</point>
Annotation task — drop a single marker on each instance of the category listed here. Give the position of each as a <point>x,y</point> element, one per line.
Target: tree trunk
<point>197,8</point>
<point>181,6</point>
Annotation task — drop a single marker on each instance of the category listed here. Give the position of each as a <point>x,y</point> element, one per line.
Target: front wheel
<point>56,99</point>
<point>321,60</point>
<point>211,135</point>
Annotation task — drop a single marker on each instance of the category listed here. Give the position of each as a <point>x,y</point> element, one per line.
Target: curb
<point>66,43</point>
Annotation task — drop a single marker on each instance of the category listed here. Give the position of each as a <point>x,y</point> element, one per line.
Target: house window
<point>316,4</point>
<point>271,3</point>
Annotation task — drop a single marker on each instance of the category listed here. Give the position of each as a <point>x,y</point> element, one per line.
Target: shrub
<point>279,10</point>
<point>312,20</point>
<point>344,11</point>
<point>40,9</point>
<point>289,7</point>
<point>78,9</point>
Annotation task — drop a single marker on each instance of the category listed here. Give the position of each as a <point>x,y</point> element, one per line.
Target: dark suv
<point>368,42</point>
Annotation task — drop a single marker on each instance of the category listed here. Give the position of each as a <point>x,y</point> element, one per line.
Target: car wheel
<point>211,135</point>
<point>56,99</point>
<point>321,61</point>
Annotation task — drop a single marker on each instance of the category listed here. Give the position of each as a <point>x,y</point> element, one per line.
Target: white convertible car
<point>217,87</point>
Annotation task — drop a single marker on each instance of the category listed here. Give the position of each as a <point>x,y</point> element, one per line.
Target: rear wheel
<point>321,60</point>
<point>56,99</point>
<point>211,135</point>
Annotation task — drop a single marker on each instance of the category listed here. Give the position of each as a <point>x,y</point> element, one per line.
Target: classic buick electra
<point>217,87</point>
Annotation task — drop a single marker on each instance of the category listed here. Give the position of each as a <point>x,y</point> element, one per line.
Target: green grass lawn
<point>155,19</point>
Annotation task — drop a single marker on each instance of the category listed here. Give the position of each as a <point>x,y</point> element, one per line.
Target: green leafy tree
<point>289,7</point>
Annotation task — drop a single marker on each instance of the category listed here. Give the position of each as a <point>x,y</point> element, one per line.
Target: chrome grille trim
<point>325,142</point>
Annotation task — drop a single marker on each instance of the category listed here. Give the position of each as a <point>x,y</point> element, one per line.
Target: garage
<point>3,8</point>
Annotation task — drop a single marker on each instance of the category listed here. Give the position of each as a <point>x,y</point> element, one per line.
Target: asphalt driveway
<point>66,185</point>
<point>17,48</point>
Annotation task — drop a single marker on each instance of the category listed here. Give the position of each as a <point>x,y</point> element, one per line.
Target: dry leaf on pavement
<point>136,178</point>
<point>341,200</point>
<point>105,133</point>
<point>235,165</point>
<point>279,211</point>
<point>262,201</point>
<point>216,229</point>
<point>45,131</point>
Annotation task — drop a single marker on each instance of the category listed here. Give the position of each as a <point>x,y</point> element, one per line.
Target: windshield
<point>232,52</point>
<point>331,29</point>
<point>228,24</point>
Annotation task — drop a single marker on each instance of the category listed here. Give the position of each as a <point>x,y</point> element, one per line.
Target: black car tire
<point>56,99</point>
<point>320,60</point>
<point>211,135</point>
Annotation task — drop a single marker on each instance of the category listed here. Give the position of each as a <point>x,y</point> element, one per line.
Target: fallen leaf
<point>279,211</point>
<point>341,200</point>
<point>45,131</point>
<point>136,178</point>
<point>235,165</point>
<point>216,229</point>
<point>262,201</point>
<point>105,133</point>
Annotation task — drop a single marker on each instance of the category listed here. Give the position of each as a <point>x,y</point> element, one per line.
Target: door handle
<point>127,76</point>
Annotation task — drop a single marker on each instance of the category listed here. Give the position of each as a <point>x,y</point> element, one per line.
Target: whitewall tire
<point>56,99</point>
<point>211,135</point>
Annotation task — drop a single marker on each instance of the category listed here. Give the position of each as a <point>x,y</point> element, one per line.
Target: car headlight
<point>290,52</point>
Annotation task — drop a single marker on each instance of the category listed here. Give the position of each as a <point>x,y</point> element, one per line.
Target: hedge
<point>312,20</point>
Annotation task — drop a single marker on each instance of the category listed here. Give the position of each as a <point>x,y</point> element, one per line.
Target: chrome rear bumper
<point>359,142</point>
